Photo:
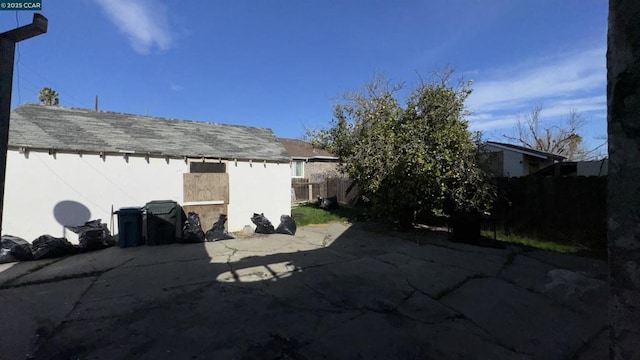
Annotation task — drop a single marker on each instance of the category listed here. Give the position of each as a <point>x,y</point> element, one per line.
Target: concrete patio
<point>334,291</point>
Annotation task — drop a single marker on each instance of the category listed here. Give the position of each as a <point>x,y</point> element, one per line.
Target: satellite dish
<point>71,213</point>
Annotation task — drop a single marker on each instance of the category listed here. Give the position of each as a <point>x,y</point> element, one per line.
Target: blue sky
<point>284,64</point>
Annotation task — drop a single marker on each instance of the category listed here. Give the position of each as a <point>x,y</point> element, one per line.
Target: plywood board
<point>206,187</point>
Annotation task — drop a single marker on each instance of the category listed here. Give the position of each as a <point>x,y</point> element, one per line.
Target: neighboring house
<point>575,168</point>
<point>66,166</point>
<point>310,164</point>
<point>508,160</point>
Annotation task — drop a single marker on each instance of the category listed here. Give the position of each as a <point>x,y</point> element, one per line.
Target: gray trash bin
<point>164,220</point>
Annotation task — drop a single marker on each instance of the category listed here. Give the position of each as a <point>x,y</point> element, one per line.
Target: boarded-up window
<point>204,167</point>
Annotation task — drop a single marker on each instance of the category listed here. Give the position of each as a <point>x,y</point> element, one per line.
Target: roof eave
<point>530,153</point>
<point>111,152</point>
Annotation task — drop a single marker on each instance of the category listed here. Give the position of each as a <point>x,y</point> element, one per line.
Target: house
<point>508,160</point>
<point>308,163</point>
<point>66,166</point>
<point>310,167</point>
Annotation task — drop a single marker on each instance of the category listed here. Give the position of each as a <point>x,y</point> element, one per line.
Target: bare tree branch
<point>561,140</point>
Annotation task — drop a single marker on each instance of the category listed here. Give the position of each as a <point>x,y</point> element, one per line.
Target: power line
<point>29,86</point>
<point>18,63</point>
<point>76,101</point>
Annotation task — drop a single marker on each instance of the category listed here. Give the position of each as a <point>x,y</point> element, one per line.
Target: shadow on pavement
<point>333,291</point>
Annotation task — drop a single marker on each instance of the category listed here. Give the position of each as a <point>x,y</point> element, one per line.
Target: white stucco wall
<point>513,164</point>
<point>258,188</point>
<point>37,183</point>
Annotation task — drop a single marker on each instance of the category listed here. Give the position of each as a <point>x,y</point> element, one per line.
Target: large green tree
<point>419,156</point>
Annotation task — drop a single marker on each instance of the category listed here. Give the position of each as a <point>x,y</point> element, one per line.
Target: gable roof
<point>528,151</point>
<point>299,149</point>
<point>70,129</point>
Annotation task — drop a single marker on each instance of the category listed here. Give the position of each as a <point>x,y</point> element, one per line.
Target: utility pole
<point>623,191</point>
<point>8,40</point>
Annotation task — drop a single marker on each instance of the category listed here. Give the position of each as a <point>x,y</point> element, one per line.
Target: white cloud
<point>586,105</point>
<point>484,122</point>
<point>144,22</point>
<point>551,110</point>
<point>561,83</point>
<point>176,87</point>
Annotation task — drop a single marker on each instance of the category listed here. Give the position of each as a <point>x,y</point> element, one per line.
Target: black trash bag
<point>263,225</point>
<point>6,257</point>
<point>217,231</point>
<point>219,225</point>
<point>212,236</point>
<point>328,203</point>
<point>47,246</point>
<point>16,247</point>
<point>93,235</point>
<point>287,225</point>
<point>192,230</point>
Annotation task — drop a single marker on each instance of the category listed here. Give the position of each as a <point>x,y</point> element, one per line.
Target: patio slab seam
<point>6,283</point>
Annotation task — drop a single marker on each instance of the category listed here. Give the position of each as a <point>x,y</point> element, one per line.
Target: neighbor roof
<point>299,149</point>
<point>70,129</point>
<point>526,150</point>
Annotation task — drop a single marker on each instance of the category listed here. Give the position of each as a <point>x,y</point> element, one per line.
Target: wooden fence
<point>558,209</point>
<point>343,188</point>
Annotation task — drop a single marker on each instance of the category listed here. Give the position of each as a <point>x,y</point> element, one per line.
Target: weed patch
<point>532,242</point>
<point>310,214</point>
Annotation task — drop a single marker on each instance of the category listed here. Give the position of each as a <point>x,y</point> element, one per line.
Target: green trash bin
<point>129,227</point>
<point>164,219</point>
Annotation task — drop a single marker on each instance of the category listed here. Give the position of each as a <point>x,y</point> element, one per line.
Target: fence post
<point>310,192</point>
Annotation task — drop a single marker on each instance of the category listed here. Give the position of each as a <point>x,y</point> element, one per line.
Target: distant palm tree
<point>48,96</point>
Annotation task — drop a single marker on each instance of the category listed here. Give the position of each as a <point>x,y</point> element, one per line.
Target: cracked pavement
<point>334,291</point>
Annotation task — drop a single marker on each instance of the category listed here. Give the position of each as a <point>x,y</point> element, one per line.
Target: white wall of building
<point>513,162</point>
<point>44,192</point>
<point>38,182</point>
<point>258,188</point>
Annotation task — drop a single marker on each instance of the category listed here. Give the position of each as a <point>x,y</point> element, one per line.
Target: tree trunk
<point>623,194</point>
<point>405,221</point>
<point>466,227</point>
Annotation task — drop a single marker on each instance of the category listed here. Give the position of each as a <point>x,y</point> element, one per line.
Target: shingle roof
<point>528,150</point>
<point>303,149</point>
<point>70,129</point>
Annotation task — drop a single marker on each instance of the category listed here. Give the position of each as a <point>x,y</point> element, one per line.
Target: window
<point>204,167</point>
<point>297,169</point>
